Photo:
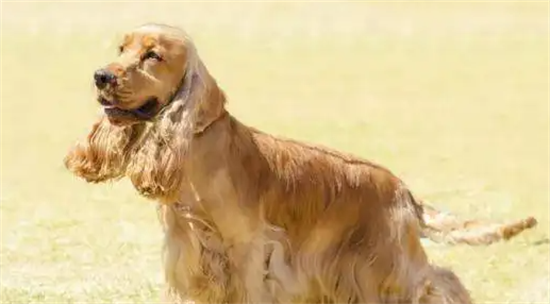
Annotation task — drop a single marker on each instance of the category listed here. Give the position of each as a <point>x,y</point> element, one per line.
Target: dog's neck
<point>205,128</point>
<point>184,207</point>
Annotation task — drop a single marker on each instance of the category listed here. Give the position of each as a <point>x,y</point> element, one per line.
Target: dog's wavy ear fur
<point>103,156</point>
<point>156,165</point>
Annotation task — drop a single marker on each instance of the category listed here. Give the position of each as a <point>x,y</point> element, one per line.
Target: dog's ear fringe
<point>103,155</point>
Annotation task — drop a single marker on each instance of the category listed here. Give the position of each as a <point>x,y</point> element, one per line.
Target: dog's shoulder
<point>299,160</point>
<point>309,152</point>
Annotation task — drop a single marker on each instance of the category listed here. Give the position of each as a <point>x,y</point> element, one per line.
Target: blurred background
<point>452,97</point>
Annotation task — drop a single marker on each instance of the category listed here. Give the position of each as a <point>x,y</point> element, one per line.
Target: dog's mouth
<point>146,112</point>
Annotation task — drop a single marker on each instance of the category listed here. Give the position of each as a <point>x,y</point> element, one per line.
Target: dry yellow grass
<point>453,97</point>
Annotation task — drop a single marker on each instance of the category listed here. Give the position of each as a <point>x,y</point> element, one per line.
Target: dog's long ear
<point>156,169</point>
<point>210,107</point>
<point>202,100</point>
<point>103,155</point>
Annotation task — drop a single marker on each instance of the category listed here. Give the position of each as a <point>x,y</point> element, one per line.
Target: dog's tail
<point>442,227</point>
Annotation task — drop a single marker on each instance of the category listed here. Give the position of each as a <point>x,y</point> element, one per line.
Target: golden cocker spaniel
<point>252,218</point>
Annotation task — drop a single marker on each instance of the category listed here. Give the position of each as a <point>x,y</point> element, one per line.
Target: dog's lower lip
<point>145,112</point>
<point>113,109</point>
<point>104,102</point>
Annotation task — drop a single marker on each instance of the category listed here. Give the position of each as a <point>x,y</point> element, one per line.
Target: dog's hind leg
<point>442,286</point>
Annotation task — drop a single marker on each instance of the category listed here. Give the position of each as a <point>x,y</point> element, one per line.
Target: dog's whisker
<point>123,88</point>
<point>124,94</point>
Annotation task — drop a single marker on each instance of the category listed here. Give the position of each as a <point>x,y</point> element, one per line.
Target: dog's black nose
<point>103,77</point>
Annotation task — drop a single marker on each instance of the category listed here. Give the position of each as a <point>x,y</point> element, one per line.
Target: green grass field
<point>452,97</point>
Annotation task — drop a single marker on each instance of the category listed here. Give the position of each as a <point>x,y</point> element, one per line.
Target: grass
<point>453,97</point>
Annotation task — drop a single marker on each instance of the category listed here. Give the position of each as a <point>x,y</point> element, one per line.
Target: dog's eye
<point>152,55</point>
<point>121,49</point>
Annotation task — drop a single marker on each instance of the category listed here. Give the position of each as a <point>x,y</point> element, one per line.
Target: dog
<point>253,218</point>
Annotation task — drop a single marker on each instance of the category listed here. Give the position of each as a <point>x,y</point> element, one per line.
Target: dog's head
<point>150,68</point>
<point>157,78</point>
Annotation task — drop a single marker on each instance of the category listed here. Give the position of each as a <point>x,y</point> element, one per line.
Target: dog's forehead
<point>144,39</point>
<point>148,28</point>
<point>149,36</point>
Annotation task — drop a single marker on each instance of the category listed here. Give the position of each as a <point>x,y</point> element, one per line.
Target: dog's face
<point>147,72</point>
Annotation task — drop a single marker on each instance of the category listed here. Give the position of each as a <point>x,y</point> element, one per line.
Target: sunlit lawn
<point>451,97</point>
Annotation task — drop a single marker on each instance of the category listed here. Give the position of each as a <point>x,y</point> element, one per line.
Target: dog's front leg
<point>248,261</point>
<point>195,263</point>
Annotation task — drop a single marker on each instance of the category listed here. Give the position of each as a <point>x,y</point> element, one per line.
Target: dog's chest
<point>214,198</point>
<point>257,254</point>
<point>259,261</point>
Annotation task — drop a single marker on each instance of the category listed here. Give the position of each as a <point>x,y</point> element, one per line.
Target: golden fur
<point>252,218</point>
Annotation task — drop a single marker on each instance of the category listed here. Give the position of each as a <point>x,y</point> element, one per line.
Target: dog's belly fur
<point>290,232</point>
